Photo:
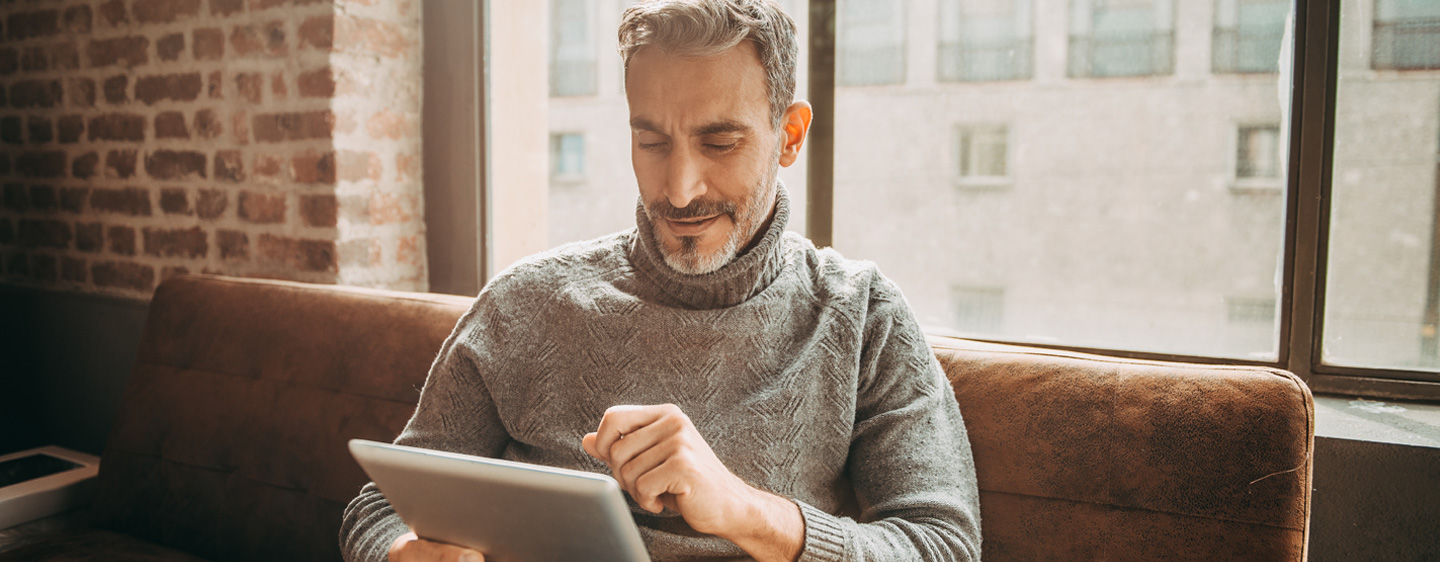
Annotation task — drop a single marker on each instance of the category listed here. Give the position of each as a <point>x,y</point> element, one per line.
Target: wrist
<point>768,527</point>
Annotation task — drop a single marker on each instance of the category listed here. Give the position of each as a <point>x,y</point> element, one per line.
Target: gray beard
<point>689,260</point>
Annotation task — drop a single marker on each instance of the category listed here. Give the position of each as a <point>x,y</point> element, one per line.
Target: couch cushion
<point>1083,457</point>
<point>231,440</point>
<point>94,545</point>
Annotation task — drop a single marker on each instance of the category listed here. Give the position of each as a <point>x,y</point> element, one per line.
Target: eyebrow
<point>718,127</point>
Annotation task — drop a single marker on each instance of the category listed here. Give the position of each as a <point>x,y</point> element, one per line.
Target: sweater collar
<point>735,282</point>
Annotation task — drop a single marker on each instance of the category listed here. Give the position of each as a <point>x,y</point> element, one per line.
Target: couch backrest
<point>1083,457</point>
<point>231,438</point>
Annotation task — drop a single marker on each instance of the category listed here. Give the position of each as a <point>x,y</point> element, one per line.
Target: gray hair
<point>709,27</point>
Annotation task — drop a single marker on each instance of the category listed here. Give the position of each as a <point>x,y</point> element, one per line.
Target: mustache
<point>662,209</point>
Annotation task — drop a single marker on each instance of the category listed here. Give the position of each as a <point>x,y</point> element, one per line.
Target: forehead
<point>682,92</point>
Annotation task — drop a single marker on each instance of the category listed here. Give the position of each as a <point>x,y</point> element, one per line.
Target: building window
<point>978,310</point>
<point>567,157</point>
<point>983,155</point>
<point>985,40</point>
<point>1257,156</point>
<point>871,42</point>
<point>1407,35</point>
<point>1111,38</point>
<point>1251,326</point>
<point>572,49</point>
<point>1247,36</point>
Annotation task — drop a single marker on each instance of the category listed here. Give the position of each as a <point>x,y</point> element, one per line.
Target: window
<point>1406,35</point>
<point>978,310</point>
<point>982,155</point>
<point>572,48</point>
<point>1247,36</point>
<point>985,40</point>
<point>1121,38</point>
<point>1257,156</point>
<point>872,42</point>
<point>1250,323</point>
<point>567,157</point>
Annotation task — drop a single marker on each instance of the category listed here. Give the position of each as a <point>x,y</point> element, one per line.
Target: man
<point>778,384</point>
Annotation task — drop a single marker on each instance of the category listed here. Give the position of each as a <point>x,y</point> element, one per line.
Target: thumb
<point>588,442</point>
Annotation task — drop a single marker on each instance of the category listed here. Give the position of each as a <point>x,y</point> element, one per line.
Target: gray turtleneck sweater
<point>805,372</point>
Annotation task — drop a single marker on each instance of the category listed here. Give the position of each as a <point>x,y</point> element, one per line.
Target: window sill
<point>1358,419</point>
<point>984,183</point>
<point>1258,186</point>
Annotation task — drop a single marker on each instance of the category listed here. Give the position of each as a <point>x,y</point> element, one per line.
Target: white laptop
<point>508,510</point>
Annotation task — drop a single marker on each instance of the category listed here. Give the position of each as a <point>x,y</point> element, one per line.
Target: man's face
<point>704,151</point>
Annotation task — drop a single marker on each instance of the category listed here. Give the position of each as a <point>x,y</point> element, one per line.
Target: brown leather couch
<point>230,444</point>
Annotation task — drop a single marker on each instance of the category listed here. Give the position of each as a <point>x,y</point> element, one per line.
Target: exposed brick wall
<point>263,138</point>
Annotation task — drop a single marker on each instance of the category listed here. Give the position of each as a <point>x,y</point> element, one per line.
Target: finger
<point>647,461</point>
<point>623,420</point>
<point>588,443</point>
<point>409,547</point>
<point>658,485</point>
<point>644,439</point>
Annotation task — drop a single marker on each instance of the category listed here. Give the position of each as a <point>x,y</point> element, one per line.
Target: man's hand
<point>660,459</point>
<point>410,548</point>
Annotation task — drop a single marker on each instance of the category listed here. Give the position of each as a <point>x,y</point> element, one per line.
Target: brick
<point>211,203</point>
<point>44,198</point>
<point>257,5</point>
<point>73,270</point>
<point>117,127</point>
<point>170,46</point>
<point>318,210</point>
<point>175,164</point>
<point>117,89</point>
<point>35,93</point>
<point>69,128</point>
<point>268,165</point>
<point>278,127</point>
<point>189,243</point>
<point>175,201</point>
<point>409,250</point>
<point>44,268</point>
<point>264,208</point>
<point>64,56</point>
<point>207,43</point>
<point>34,59</point>
<point>7,232</point>
<point>240,127</point>
<point>268,39</point>
<point>297,254</point>
<point>77,20</point>
<point>318,83</point>
<point>171,125</point>
<point>18,264</point>
<point>317,32</point>
<point>121,163</point>
<point>128,52</point>
<point>407,166</point>
<point>114,12</point>
<point>123,275</point>
<point>11,132</point>
<point>370,36</point>
<point>207,125</point>
<point>122,240</point>
<point>359,166</point>
<point>226,7</point>
<point>388,125</point>
<point>215,85</point>
<point>386,208</point>
<point>41,164</point>
<point>131,201</point>
<point>82,92</point>
<point>89,237</point>
<point>164,11</point>
<point>229,166</point>
<point>9,61</point>
<point>16,198</point>
<point>177,87</point>
<point>83,167</point>
<point>4,163</point>
<point>72,199</point>
<point>45,234</point>
<point>313,167</point>
<point>27,25</point>
<point>250,85</point>
<point>42,130</point>
<point>277,85</point>
<point>233,244</point>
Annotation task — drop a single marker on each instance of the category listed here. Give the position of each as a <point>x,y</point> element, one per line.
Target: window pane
<point>1121,37</point>
<point>1247,35</point>
<point>985,40</point>
<point>871,42</point>
<point>1118,223</point>
<point>592,188</point>
<point>1381,282</point>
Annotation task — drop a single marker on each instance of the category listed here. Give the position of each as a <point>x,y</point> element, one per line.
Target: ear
<point>795,126</point>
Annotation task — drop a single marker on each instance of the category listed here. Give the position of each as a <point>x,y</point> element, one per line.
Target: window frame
<point>1310,157</point>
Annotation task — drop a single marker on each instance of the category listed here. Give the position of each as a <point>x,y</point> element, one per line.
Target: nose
<point>686,178</point>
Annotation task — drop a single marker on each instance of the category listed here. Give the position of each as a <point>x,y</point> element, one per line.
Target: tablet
<point>508,510</point>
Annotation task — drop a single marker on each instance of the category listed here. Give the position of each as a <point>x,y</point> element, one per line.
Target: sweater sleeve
<point>455,413</point>
<point>910,460</point>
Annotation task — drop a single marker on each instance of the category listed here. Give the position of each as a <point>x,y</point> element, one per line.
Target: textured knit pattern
<point>805,372</point>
